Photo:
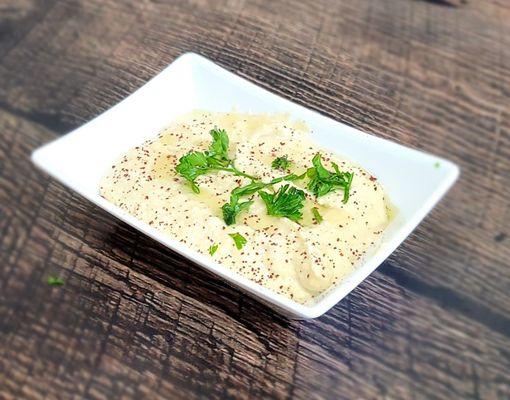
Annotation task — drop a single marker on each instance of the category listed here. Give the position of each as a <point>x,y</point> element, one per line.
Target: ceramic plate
<point>414,181</point>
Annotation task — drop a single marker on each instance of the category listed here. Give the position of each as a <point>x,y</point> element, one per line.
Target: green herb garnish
<point>282,163</point>
<point>55,281</point>
<point>213,249</point>
<point>249,189</point>
<point>219,146</point>
<point>323,181</point>
<point>316,215</point>
<point>286,202</point>
<point>437,165</point>
<point>231,210</point>
<point>196,163</point>
<point>239,240</point>
<point>290,178</point>
<point>191,166</point>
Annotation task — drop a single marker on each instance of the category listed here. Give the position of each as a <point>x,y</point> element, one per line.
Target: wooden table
<point>135,320</point>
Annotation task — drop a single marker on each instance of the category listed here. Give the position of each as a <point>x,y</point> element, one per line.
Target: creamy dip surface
<point>299,260</point>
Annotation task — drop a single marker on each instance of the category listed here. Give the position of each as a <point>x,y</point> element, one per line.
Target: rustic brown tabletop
<point>135,320</point>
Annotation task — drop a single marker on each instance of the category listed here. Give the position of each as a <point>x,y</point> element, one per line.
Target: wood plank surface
<point>135,320</point>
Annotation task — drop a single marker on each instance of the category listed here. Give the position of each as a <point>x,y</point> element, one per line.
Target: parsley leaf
<point>323,181</point>
<point>218,149</point>
<point>196,163</point>
<point>191,166</point>
<point>55,281</point>
<point>281,163</point>
<point>286,202</point>
<point>316,215</point>
<point>231,210</point>
<point>213,249</point>
<point>239,240</point>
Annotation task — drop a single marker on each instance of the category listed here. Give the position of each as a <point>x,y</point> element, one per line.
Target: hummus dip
<point>299,259</point>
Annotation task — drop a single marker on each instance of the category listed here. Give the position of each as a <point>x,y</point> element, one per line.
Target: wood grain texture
<point>135,320</point>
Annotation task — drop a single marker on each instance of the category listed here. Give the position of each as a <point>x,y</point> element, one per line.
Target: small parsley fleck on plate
<point>316,215</point>
<point>239,240</point>
<point>213,249</point>
<point>55,281</point>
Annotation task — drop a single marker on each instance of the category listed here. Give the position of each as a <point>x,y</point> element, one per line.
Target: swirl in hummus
<point>299,258</point>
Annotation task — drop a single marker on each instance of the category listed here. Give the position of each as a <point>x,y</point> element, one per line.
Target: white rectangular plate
<point>79,160</point>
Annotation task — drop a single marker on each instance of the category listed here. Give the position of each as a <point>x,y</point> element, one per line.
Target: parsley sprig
<point>233,208</point>
<point>287,202</point>
<point>196,163</point>
<point>321,181</point>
